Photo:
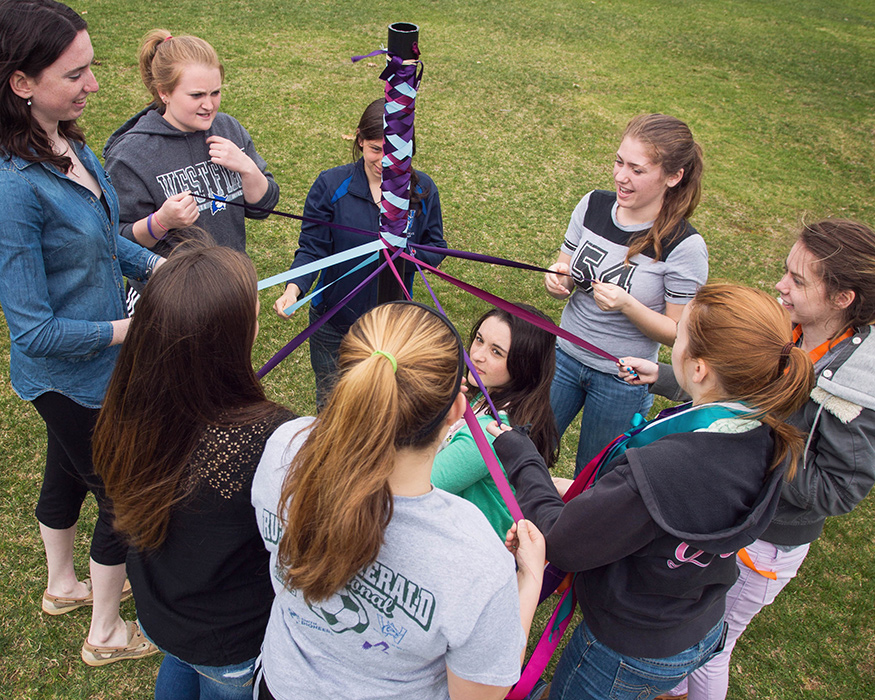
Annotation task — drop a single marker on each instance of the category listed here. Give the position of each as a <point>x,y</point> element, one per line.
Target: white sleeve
<point>575,227</point>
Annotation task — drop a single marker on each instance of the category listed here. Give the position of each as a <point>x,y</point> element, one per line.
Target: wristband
<point>149,227</point>
<point>155,216</point>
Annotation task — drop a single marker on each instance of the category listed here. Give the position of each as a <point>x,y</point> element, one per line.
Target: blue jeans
<point>324,351</point>
<point>589,670</point>
<point>178,680</point>
<point>608,405</point>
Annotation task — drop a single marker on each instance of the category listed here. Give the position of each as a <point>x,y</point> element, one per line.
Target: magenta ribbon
<point>522,313</point>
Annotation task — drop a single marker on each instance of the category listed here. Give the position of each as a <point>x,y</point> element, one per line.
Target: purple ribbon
<point>451,252</point>
<point>402,82</point>
<point>378,52</point>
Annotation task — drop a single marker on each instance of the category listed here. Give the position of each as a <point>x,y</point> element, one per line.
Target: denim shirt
<point>62,264</point>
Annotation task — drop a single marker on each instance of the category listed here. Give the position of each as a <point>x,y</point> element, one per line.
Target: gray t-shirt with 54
<point>598,245</point>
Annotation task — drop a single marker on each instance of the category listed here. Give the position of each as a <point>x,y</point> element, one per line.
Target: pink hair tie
<point>167,39</point>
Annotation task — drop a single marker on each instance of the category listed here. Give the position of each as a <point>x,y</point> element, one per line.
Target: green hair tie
<point>389,356</point>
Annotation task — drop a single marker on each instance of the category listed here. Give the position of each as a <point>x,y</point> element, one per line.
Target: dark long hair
<point>33,34</point>
<point>370,128</point>
<point>185,365</point>
<point>531,362</point>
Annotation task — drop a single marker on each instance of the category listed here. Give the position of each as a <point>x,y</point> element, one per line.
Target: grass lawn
<point>519,115</point>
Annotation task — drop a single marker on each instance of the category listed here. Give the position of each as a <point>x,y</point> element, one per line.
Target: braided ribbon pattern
<point>402,82</point>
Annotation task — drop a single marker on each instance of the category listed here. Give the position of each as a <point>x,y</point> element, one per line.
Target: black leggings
<point>264,691</point>
<point>69,476</point>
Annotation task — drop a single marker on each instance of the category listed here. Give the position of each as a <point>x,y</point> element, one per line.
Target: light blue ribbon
<point>298,304</point>
<point>318,265</point>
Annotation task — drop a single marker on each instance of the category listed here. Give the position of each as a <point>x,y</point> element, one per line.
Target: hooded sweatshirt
<point>837,470</point>
<point>838,467</point>
<point>150,160</point>
<point>653,542</point>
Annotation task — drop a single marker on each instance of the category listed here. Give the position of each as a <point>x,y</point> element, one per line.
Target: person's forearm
<point>119,331</point>
<point>530,592</point>
<point>140,229</point>
<point>653,324</point>
<point>255,185</point>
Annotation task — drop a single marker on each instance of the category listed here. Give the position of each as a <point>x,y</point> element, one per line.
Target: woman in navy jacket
<point>350,195</point>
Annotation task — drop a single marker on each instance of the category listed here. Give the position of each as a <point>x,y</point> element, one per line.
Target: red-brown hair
<point>744,336</point>
<point>671,146</point>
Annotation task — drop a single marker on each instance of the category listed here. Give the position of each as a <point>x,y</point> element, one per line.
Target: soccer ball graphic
<point>342,612</point>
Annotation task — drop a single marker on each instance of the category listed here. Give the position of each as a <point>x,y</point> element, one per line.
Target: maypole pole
<point>402,82</point>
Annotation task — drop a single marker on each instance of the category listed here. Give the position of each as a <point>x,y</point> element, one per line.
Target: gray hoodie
<point>150,160</point>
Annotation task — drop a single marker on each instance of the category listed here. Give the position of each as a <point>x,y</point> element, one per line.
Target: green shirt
<point>459,468</point>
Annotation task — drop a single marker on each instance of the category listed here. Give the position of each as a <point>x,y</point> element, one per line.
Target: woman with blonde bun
<point>166,160</point>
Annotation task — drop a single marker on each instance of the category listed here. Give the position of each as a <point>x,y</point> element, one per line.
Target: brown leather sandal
<point>58,605</point>
<point>138,647</point>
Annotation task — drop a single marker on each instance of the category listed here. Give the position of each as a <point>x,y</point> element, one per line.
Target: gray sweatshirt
<point>150,160</point>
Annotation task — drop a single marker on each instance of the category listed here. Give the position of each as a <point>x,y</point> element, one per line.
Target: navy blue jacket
<point>342,195</point>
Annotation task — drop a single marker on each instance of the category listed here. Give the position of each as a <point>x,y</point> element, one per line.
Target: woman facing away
<point>182,145</point>
<point>828,289</point>
<point>349,195</point>
<point>61,288</point>
<point>515,361</point>
<point>390,588</point>
<point>629,263</point>
<point>653,542</point>
<point>177,442</point>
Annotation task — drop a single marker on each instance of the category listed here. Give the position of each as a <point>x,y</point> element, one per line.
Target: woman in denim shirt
<point>61,288</point>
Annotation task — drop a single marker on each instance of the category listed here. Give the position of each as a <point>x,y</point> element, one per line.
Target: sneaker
<point>58,605</point>
<point>138,647</point>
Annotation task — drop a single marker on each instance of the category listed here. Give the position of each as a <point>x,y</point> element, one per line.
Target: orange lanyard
<point>825,346</point>
<point>748,562</point>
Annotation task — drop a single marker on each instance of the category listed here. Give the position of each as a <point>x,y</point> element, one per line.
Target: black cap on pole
<point>404,40</point>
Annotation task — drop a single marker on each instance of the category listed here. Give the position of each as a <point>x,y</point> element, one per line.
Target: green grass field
<point>520,112</point>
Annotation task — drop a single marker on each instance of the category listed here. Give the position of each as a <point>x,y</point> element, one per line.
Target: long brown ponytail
<point>183,367</point>
<point>336,502</point>
<point>671,146</point>
<point>744,335</point>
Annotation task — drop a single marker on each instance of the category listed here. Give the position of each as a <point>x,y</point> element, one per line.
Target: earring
<point>29,103</point>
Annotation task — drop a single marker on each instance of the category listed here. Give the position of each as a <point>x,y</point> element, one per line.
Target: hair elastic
<point>390,358</point>
<point>784,359</point>
<point>460,372</point>
<point>167,38</point>
<point>149,227</point>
